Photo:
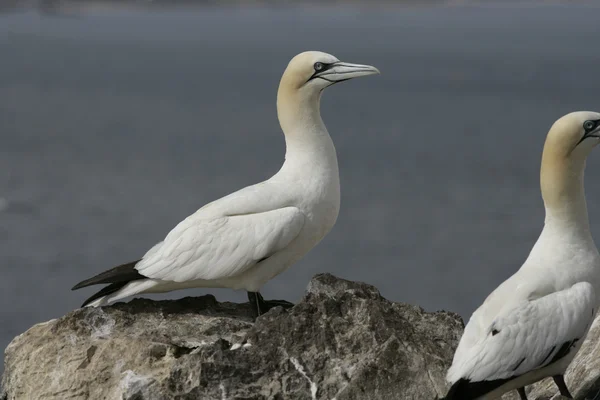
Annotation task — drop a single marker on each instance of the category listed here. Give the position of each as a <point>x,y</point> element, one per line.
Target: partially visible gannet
<point>534,323</point>
<point>248,237</point>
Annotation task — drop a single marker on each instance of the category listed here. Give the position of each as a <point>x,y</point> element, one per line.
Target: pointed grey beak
<point>342,71</point>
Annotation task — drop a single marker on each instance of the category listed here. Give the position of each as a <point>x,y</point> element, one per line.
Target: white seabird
<point>248,237</point>
<point>534,323</point>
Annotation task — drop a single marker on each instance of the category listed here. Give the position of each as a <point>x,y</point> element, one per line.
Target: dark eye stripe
<point>326,66</point>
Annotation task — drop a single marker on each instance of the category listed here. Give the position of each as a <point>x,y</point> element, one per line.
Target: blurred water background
<point>117,123</point>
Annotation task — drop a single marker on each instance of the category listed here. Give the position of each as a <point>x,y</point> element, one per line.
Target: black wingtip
<point>122,273</point>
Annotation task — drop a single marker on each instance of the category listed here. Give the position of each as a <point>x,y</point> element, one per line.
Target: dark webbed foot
<point>562,386</point>
<point>522,393</point>
<point>261,306</point>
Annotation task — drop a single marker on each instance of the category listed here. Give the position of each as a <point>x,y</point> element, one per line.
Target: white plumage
<point>532,325</point>
<point>246,238</point>
<point>229,244</point>
<point>527,336</point>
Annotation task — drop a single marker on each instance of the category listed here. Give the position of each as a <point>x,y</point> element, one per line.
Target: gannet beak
<point>342,71</point>
<point>592,134</point>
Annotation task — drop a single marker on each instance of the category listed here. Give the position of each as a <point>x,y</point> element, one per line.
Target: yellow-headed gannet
<point>248,237</point>
<point>533,324</point>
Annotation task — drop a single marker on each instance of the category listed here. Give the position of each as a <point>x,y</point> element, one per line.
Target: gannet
<point>243,240</point>
<point>534,323</point>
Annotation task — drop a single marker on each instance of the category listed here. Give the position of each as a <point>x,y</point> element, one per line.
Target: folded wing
<point>531,335</point>
<point>221,247</point>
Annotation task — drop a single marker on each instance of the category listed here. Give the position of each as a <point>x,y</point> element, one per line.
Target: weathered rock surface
<point>342,341</point>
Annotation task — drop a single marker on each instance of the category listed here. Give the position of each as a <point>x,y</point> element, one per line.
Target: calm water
<point>115,126</point>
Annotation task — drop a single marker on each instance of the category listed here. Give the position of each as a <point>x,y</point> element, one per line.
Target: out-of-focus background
<point>119,119</point>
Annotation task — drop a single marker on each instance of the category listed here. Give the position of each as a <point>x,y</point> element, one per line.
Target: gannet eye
<point>589,125</point>
<point>318,66</point>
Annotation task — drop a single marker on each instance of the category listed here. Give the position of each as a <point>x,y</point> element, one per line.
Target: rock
<point>342,341</point>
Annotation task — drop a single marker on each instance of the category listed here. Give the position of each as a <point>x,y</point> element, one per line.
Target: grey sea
<point>116,124</point>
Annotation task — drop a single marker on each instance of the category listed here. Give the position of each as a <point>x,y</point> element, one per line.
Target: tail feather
<point>117,277</point>
<point>121,290</point>
<point>105,291</point>
<point>455,390</point>
<point>463,389</point>
<point>121,274</point>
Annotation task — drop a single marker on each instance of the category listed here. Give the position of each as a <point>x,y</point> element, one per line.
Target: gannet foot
<point>522,393</point>
<point>562,386</point>
<point>261,306</point>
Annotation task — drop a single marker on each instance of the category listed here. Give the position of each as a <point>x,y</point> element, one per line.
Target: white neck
<point>566,227</point>
<point>565,246</point>
<point>564,195</point>
<point>566,242</point>
<point>307,141</point>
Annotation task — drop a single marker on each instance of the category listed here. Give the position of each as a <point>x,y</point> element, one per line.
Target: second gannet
<point>248,237</point>
<point>534,323</point>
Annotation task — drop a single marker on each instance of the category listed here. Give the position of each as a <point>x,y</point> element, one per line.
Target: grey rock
<point>342,341</point>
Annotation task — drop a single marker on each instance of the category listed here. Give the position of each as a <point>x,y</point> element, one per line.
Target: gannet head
<point>574,135</point>
<point>567,146</point>
<point>307,74</point>
<point>313,71</point>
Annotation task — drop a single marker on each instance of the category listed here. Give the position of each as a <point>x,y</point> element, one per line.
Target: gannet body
<point>243,240</point>
<point>534,323</point>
